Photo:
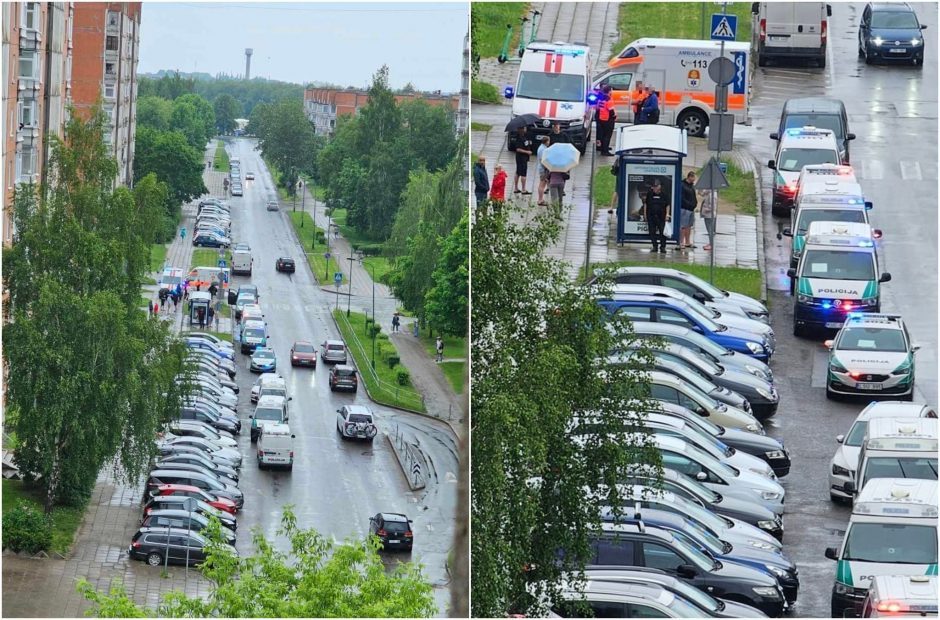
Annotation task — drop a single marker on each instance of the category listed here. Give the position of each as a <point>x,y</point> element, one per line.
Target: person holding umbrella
<point>559,159</point>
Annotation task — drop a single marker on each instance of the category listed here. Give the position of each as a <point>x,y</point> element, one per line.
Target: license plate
<point>393,542</point>
<point>778,38</point>
<point>868,386</point>
<point>833,325</point>
<point>897,51</point>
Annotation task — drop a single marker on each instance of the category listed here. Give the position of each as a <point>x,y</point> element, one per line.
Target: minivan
<point>275,446</point>
<point>797,30</point>
<point>821,112</point>
<point>270,409</point>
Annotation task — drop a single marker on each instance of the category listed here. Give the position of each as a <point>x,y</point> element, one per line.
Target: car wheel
<point>355,390</point>
<point>822,62</point>
<point>792,286</point>
<point>154,559</point>
<point>761,60</point>
<point>830,395</point>
<point>869,59</point>
<point>797,330</point>
<point>332,389</point>
<point>694,122</point>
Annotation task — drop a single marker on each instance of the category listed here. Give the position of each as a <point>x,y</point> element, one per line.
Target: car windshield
<point>360,418</point>
<point>699,538</point>
<point>894,20</point>
<point>700,362</point>
<point>704,460</point>
<point>793,159</point>
<point>891,543</point>
<point>808,216</point>
<point>551,86</point>
<point>920,468</point>
<point>396,526</point>
<point>245,300</point>
<point>838,265</point>
<point>690,373</point>
<point>872,339</point>
<point>820,121</point>
<point>345,372</point>
<point>710,443</point>
<point>686,508</point>
<point>705,315</point>
<point>171,280</point>
<point>301,347</point>
<point>268,413</point>
<point>857,434</point>
<point>254,332</point>
<point>336,347</point>
<point>273,391</point>
<point>698,395</point>
<point>695,595</point>
<point>264,355</point>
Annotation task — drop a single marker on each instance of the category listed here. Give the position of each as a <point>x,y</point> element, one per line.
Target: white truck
<point>241,262</point>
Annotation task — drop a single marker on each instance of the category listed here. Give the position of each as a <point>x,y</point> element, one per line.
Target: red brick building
<point>324,105</point>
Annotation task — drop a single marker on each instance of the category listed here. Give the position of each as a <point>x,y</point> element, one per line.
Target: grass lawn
<point>735,279</point>
<point>352,235</point>
<point>147,281</point>
<point>323,269</point>
<point>603,187</point>
<point>65,520</point>
<point>209,257</point>
<point>741,192</point>
<point>386,390</point>
<point>675,20</point>
<point>380,264</point>
<point>226,311</point>
<point>454,371</point>
<point>145,301</point>
<point>480,127</point>
<point>157,256</point>
<point>491,19</point>
<point>483,92</point>
<point>454,347</point>
<point>220,161</point>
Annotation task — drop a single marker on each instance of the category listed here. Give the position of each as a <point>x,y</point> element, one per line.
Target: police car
<point>891,596</point>
<point>796,148</point>
<point>871,354</point>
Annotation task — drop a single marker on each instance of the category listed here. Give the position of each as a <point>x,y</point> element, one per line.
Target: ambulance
<point>553,84</point>
<point>892,531</point>
<point>677,69</point>
<point>897,448</point>
<point>839,272</point>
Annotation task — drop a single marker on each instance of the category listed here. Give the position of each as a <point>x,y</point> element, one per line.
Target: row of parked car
<point>213,228</point>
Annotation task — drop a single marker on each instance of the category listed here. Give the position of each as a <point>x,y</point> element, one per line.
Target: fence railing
<point>406,395</point>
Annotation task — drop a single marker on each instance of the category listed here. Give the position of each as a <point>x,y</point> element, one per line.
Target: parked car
<point>175,545</point>
<point>284,264</point>
<point>183,519</point>
<point>187,490</point>
<point>343,377</point>
<point>303,353</point>
<point>189,504</point>
<point>160,477</point>
<point>186,449</point>
<point>211,448</point>
<point>263,360</point>
<point>193,428</point>
<point>225,344</point>
<point>333,352</point>
<point>355,422</point>
<point>393,529</point>
<point>208,240</point>
<point>195,458</point>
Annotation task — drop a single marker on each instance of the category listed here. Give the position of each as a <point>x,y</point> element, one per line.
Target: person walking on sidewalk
<point>687,212</point>
<point>523,152</point>
<point>709,214</point>
<point>657,212</point>
<point>498,189</point>
<point>556,187</point>
<point>183,233</point>
<point>481,181</point>
<point>211,315</point>
<point>440,350</point>
<point>395,322</point>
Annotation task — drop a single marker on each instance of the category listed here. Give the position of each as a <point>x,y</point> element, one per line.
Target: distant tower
<point>248,52</point>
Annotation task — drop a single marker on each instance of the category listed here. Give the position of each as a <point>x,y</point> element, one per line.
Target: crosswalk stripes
<point>910,170</point>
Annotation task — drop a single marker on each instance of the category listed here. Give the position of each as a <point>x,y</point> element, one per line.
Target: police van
<point>677,69</point>
<point>553,84</point>
<point>839,272</point>
<point>893,596</point>
<point>892,531</point>
<point>799,147</point>
<point>897,448</point>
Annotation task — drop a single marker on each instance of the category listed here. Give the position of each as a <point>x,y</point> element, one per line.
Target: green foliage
<point>403,376</point>
<point>154,112</point>
<point>373,330</point>
<point>488,26</point>
<point>250,93</point>
<point>220,161</point>
<point>480,127</point>
<point>369,249</point>
<point>446,302</point>
<point>91,377</point>
<point>316,579</point>
<point>167,87</point>
<point>741,192</point>
<point>540,365</point>
<point>173,160</point>
<point>227,109</point>
<point>483,92</point>
<point>287,141</point>
<point>65,520</point>
<point>392,360</point>
<point>26,528</point>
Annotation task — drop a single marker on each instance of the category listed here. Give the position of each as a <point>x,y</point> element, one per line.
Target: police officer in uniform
<point>656,210</point>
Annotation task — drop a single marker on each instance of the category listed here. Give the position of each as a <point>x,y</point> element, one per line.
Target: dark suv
<point>393,529</point>
<point>891,31</point>
<point>343,377</point>
<point>157,545</point>
<point>820,112</point>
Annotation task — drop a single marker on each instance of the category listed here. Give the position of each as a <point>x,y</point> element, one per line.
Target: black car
<point>820,112</point>
<point>189,504</point>
<point>891,31</point>
<point>393,529</point>
<point>244,288</point>
<point>196,459</point>
<point>218,423</point>
<point>343,377</point>
<point>209,241</point>
<point>285,264</point>
<point>638,545</point>
<point>176,545</point>
<point>184,519</point>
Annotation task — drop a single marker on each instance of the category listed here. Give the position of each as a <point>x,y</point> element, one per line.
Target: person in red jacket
<point>498,188</point>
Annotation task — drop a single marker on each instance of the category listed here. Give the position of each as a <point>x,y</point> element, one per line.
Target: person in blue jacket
<point>649,113</point>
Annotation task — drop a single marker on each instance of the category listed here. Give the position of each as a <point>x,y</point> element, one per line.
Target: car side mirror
<point>787,232</point>
<point>828,10</point>
<point>699,296</point>
<point>840,438</point>
<point>791,272</point>
<point>755,7</point>
<point>251,416</point>
<point>885,277</point>
<point>832,553</point>
<point>686,570</point>
<point>828,344</point>
<point>290,398</point>
<point>850,136</point>
<point>915,348</point>
<point>701,476</point>
<point>771,164</point>
<point>923,26</point>
<point>869,205</point>
<point>774,136</point>
<point>339,411</point>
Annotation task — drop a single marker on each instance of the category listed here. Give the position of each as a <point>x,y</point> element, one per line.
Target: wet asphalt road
<point>335,485</point>
<point>893,111</point>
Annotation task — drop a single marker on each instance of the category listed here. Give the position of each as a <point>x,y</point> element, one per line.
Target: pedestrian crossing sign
<point>724,27</point>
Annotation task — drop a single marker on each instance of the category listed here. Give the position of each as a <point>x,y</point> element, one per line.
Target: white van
<point>241,262</point>
<point>892,531</point>
<point>677,69</point>
<point>893,596</point>
<point>275,446</point>
<point>798,30</point>
<point>897,448</point>
<point>796,148</point>
<point>553,83</point>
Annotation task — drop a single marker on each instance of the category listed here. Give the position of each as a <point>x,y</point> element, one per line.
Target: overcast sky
<point>342,43</point>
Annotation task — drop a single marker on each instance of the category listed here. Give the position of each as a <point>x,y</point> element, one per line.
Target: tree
<point>91,377</point>
<point>185,120</point>
<point>380,115</point>
<point>204,112</point>
<point>428,136</point>
<point>154,112</point>
<point>227,109</point>
<point>175,162</point>
<point>318,579</point>
<point>541,379</point>
<point>287,140</point>
<point>446,303</point>
<point>168,87</point>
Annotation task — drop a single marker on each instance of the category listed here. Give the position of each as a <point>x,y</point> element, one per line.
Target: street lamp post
<point>372,270</point>
<point>294,195</point>
<point>349,301</point>
<point>328,226</point>
<point>313,243</point>
<point>302,212</point>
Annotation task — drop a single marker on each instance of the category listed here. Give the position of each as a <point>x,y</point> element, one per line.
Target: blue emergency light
<point>592,98</point>
<point>509,92</point>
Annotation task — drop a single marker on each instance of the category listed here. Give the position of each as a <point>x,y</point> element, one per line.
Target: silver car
<point>333,352</point>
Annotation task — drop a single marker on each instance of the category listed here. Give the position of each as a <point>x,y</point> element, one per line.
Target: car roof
<point>654,328</point>
<point>286,258</point>
<point>271,400</point>
<point>329,342</point>
<point>171,512</point>
<point>813,105</point>
<point>895,7</point>
<point>178,531</point>
<point>307,342</point>
<point>254,324</point>
<point>263,350</point>
<point>271,378</point>
<point>362,409</point>
<point>339,367</point>
<point>394,516</point>
<point>892,409</point>
<point>278,428</point>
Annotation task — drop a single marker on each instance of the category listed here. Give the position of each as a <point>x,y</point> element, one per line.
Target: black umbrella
<point>521,121</point>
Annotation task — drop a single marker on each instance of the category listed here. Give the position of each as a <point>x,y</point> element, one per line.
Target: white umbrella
<point>561,157</point>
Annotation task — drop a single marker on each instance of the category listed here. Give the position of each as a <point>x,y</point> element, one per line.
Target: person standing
<point>213,289</point>
<point>396,322</point>
<point>150,307</point>
<point>523,152</point>
<point>439,346</point>
<point>656,210</point>
<point>481,181</point>
<point>606,121</point>
<point>709,213</point>
<point>649,113</point>
<point>558,136</point>
<point>687,211</point>
<point>638,100</point>
<point>542,170</point>
<point>211,315</point>
<point>556,187</point>
<point>498,189</point>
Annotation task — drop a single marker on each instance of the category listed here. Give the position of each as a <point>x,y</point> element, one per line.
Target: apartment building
<point>37,86</point>
<point>323,106</point>
<point>107,47</point>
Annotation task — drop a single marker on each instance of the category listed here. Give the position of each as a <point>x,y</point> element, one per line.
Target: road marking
<point>872,170</point>
<point>450,477</point>
<point>910,170</point>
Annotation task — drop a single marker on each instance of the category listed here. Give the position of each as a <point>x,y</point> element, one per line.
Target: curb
<point>761,266</point>
<point>401,465</point>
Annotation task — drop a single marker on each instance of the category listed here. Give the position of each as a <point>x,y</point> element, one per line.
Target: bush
<point>393,361</point>
<point>404,377</point>
<point>26,528</point>
<point>373,330</point>
<point>484,92</point>
<point>369,249</point>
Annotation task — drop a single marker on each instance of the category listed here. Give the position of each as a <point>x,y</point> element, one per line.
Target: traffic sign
<point>221,262</point>
<point>338,277</point>
<point>326,255</point>
<point>724,27</point>
<point>712,177</point>
<point>722,70</point>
